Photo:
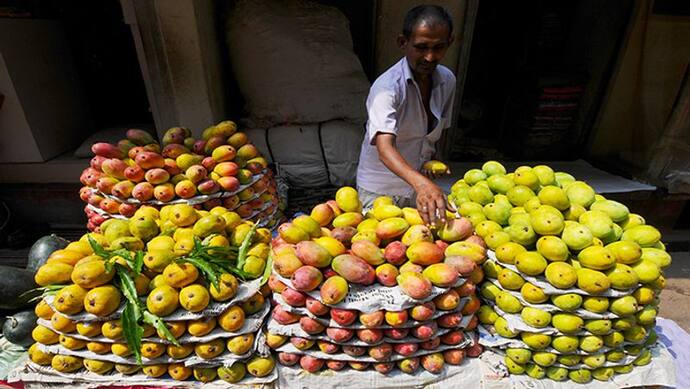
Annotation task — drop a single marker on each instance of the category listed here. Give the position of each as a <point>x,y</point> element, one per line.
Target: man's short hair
<point>429,14</point>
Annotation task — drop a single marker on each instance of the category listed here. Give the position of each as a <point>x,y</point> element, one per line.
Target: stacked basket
<point>572,278</point>
<point>377,291</point>
<point>222,168</point>
<point>174,292</point>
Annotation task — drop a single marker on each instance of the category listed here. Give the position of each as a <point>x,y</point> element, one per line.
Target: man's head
<point>427,34</point>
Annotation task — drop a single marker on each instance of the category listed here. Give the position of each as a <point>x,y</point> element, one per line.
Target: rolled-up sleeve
<point>383,113</point>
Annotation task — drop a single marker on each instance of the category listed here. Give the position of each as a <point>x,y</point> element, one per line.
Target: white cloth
<point>394,106</point>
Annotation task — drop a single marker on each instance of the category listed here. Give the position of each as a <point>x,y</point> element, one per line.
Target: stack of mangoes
<point>217,327</point>
<point>572,277</point>
<point>419,280</point>
<point>222,168</point>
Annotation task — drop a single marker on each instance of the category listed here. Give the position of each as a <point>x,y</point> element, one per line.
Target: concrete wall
<point>389,23</point>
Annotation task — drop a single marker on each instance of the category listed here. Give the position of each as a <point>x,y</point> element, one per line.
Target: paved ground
<point>675,299</point>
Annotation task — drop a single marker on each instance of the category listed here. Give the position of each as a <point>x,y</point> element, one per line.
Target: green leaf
<point>160,326</point>
<point>129,289</point>
<point>138,262</point>
<point>97,248</point>
<point>244,247</point>
<point>267,269</point>
<point>131,330</point>
<point>205,268</point>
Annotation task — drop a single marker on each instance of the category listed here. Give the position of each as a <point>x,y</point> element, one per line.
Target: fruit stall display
<point>572,279</point>
<point>175,293</point>
<point>221,169</point>
<point>380,291</point>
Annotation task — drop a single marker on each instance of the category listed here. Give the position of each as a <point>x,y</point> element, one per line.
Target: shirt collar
<point>407,73</point>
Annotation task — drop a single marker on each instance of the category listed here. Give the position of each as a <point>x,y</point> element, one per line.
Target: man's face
<point>426,47</point>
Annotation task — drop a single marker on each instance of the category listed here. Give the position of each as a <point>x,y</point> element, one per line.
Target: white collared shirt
<point>394,106</point>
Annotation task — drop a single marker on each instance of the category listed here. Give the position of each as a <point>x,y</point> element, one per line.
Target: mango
<point>480,194</point>
<point>292,234</point>
<point>306,278</point>
<point>522,233</point>
<point>530,262</point>
<point>53,274</point>
<point>554,196</point>
<point>44,335</point>
<point>508,303</point>
<point>535,317</point>
<point>368,225</point>
<point>519,195</point>
<point>502,329</point>
<point>353,269</point>
<point>536,341</point>
<point>646,270</point>
<point>509,279</point>
<point>547,220</point>
<point>417,233</point>
<point>414,284</point>
<point>332,245</point>
<point>311,253</point>
<point>91,274</point>
<point>232,319</point>
<point>580,193</point>
<point>568,302</point>
<point>577,236</point>
<point>334,290</point>
<point>592,281</point>
<point>455,229</point>
<point>615,210</point>
<point>70,299</point>
<point>561,275</point>
<point>657,256</point>
<point>567,323</point>
<point>286,264</point>
<point>348,219</point>
<point>66,363</point>
<point>386,211</point>
<point>441,275</point>
<point>424,253</point>
<point>552,248</point>
<point>391,228</point>
<point>625,252</point>
<point>622,277</point>
<point>308,224</point>
<point>260,366</point>
<point>322,214</point>
<point>644,235</point>
<point>179,275</point>
<point>565,344</point>
<point>368,251</point>
<point>348,199</point>
<point>366,235</point>
<point>102,300</point>
<point>162,301</point>
<point>194,298</point>
<point>513,367</point>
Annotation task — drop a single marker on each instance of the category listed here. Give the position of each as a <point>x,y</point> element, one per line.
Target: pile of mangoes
<point>81,320</point>
<point>572,277</point>
<point>222,168</point>
<point>419,280</point>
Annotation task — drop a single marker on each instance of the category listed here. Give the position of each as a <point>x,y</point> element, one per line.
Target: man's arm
<point>431,202</point>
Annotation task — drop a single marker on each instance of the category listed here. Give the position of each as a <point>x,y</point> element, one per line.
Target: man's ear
<point>402,41</point>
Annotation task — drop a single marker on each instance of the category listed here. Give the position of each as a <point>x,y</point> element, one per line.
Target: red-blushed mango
<point>467,249</point>
<point>455,230</point>
<point>311,226</point>
<point>293,297</point>
<point>332,245</point>
<point>301,343</point>
<point>391,228</point>
<point>372,319</point>
<point>417,233</point>
<point>323,214</point>
<point>344,234</point>
<point>424,331</point>
<point>423,312</point>
<point>370,335</point>
<point>316,307</point>
<point>395,253</point>
<point>348,219</point>
<point>424,253</point>
<point>306,278</point>
<point>368,224</point>
<point>396,318</point>
<point>441,274</point>
<point>343,317</point>
<point>450,320</point>
<point>286,264</point>
<point>334,290</point>
<point>292,233</point>
<point>284,317</point>
<point>347,199</point>
<point>433,363</point>
<point>409,266</point>
<point>414,285</point>
<point>368,251</point>
<point>381,352</point>
<point>354,269</point>
<point>386,274</point>
<point>406,349</point>
<point>396,333</point>
<point>463,265</point>
<point>312,254</point>
<point>447,301</point>
<point>431,344</point>
<point>311,326</point>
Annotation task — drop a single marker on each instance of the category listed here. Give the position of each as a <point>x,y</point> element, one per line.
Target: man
<point>409,106</point>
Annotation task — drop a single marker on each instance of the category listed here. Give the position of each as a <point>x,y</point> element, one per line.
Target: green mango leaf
<point>131,330</point>
<point>244,247</point>
<point>160,326</point>
<point>267,269</point>
<point>209,273</point>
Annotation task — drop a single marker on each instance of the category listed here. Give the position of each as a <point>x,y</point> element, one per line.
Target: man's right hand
<point>431,201</point>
